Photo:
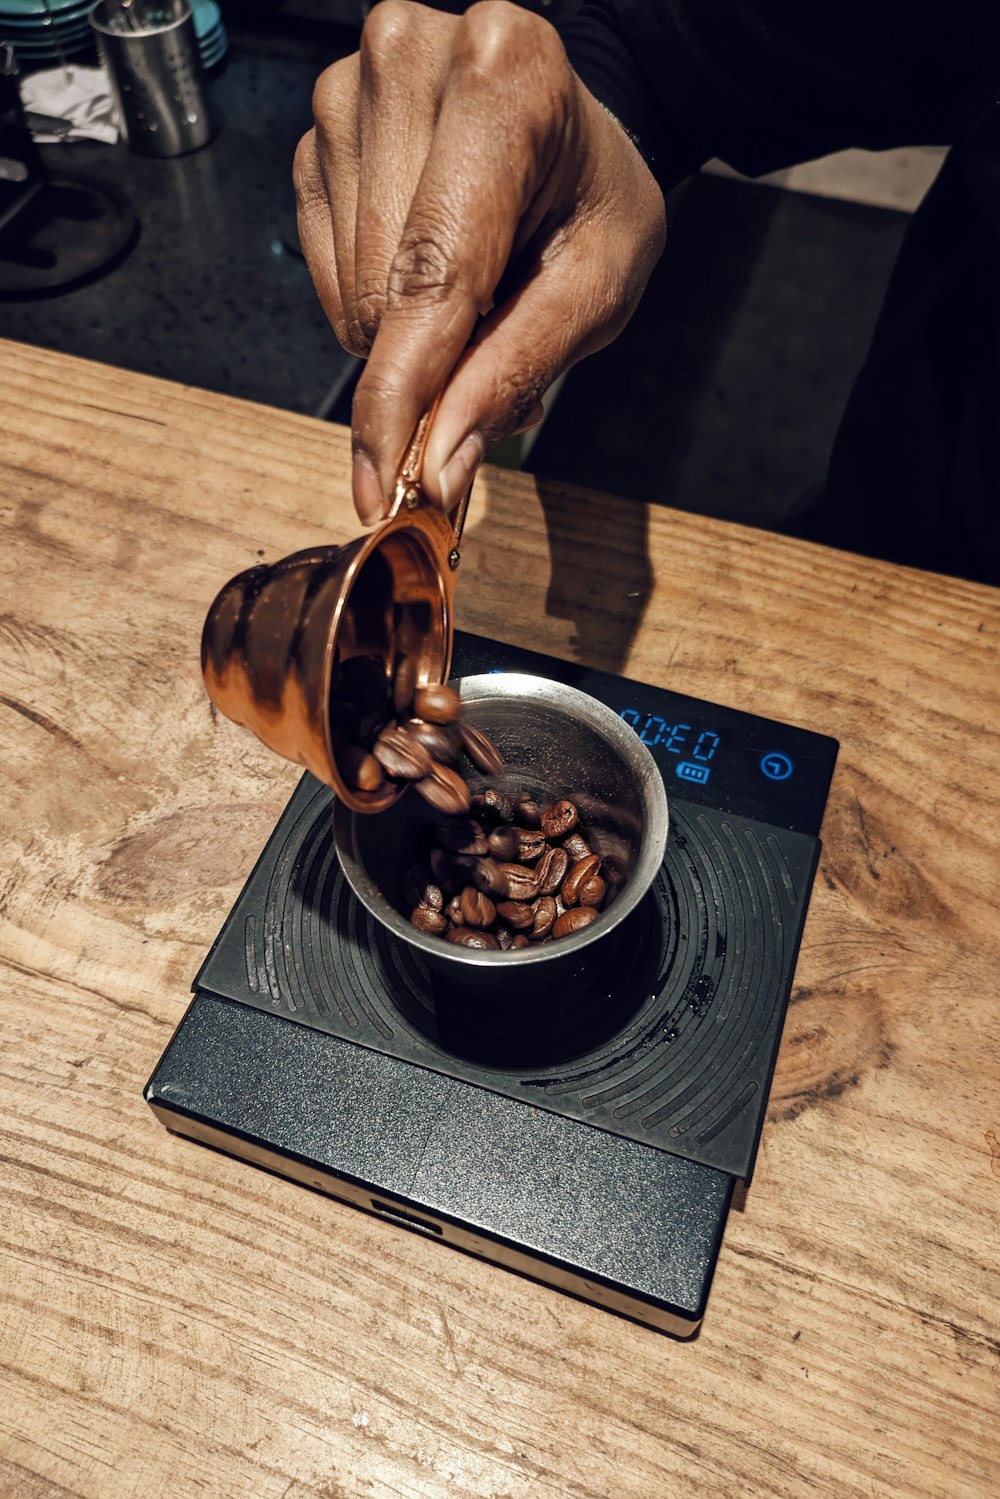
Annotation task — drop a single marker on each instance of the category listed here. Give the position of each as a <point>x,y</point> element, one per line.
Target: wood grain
<point>176,1322</point>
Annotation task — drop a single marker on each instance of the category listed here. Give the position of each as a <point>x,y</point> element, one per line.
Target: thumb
<point>578,301</point>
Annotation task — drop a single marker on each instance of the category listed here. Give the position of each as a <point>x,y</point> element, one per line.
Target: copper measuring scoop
<point>277,633</point>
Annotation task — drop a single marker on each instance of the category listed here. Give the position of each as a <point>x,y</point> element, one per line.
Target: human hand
<point>475,222</point>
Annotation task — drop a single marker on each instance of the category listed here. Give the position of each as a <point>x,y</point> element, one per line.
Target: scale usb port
<point>389,1210</point>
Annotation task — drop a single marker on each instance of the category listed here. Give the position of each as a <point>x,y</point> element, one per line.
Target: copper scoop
<point>278,636</point>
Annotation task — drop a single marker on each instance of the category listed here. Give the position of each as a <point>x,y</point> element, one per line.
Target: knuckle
<point>498,35</point>
<point>334,94</point>
<point>421,272</point>
<point>306,177</point>
<point>368,315</point>
<point>388,35</point>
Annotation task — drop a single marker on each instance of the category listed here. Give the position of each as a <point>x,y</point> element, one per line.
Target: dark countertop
<point>214,293</point>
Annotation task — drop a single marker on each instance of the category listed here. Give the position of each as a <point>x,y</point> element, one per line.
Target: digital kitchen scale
<point>593,1144</point>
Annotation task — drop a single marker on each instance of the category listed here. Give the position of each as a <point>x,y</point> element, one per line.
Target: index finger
<point>495,139</point>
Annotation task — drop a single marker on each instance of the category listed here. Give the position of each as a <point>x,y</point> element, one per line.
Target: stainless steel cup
<point>556,741</point>
<point>156,76</point>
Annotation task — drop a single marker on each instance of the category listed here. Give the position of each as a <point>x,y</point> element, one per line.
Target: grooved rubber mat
<point>674,1028</point>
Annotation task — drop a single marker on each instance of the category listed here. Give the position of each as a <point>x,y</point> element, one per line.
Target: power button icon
<point>776,765</point>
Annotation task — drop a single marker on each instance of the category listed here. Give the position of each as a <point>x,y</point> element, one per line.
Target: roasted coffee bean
<point>481,750</point>
<point>488,876</point>
<point>526,811</point>
<point>477,908</point>
<point>531,846</point>
<point>493,805</point>
<point>592,891</point>
<point>520,882</point>
<point>577,846</point>
<point>441,743</point>
<point>463,835</point>
<point>467,936</point>
<point>574,921</point>
<point>580,871</point>
<point>437,704</point>
<point>551,870</point>
<point>503,843</point>
<point>520,941</point>
<point>544,915</point>
<point>445,790</point>
<point>453,911</point>
<point>419,889</point>
<point>505,937</point>
<point>559,819</point>
<point>360,768</point>
<point>401,757</point>
<point>516,914</point>
<point>431,922</point>
<point>404,685</point>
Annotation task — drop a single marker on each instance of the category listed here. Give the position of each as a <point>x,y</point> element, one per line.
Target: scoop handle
<point>410,494</point>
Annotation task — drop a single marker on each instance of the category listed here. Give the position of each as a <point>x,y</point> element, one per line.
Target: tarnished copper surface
<point>274,634</point>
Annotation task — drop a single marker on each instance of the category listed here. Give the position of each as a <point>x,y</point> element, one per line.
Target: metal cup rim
<point>650,859</point>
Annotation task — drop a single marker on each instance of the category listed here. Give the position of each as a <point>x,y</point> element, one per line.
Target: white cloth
<point>80,95</point>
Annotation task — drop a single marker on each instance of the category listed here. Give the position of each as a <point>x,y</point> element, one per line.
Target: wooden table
<point>176,1322</point>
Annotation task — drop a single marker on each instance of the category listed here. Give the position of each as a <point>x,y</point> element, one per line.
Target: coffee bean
<point>401,757</point>
<point>520,882</point>
<point>560,819</point>
<point>493,805</point>
<point>463,835</point>
<point>574,921</point>
<point>481,750</point>
<point>527,813</point>
<point>437,704</point>
<point>418,888</point>
<point>544,915</point>
<point>441,743</point>
<point>592,891</point>
<point>580,871</point>
<point>431,922</point>
<point>477,909</point>
<point>360,768</point>
<point>497,884</point>
<point>516,914</point>
<point>488,876</point>
<point>577,846</point>
<point>404,685</point>
<point>445,790</point>
<point>530,846</point>
<point>503,843</point>
<point>551,870</point>
<point>467,936</point>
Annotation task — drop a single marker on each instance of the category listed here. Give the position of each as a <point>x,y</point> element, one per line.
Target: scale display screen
<point>710,754</point>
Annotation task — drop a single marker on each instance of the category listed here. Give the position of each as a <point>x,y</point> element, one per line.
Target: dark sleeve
<point>766,83</point>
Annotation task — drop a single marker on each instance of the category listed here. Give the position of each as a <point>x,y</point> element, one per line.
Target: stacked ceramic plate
<point>46,31</point>
<point>43,32</point>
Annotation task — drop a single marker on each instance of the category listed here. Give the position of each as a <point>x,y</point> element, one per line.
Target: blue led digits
<point>676,739</point>
<point>776,765</point>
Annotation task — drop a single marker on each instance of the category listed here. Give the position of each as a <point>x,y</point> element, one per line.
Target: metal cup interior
<point>556,741</point>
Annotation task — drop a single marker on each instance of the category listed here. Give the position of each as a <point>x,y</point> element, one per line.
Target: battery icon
<point>690,770</point>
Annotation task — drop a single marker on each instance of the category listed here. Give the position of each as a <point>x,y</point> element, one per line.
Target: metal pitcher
<point>276,633</point>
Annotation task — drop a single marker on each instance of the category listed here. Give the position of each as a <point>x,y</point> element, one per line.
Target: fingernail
<point>369,500</point>
<point>457,474</point>
<point>534,416</point>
